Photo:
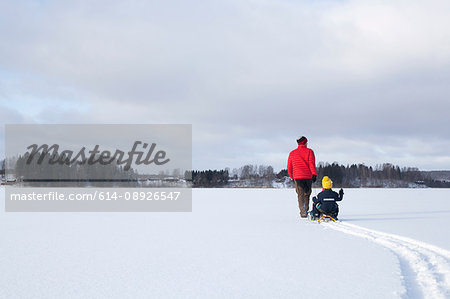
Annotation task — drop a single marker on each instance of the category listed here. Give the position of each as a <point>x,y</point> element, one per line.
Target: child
<point>325,202</point>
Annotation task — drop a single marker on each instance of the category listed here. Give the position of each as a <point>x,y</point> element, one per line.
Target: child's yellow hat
<point>327,183</point>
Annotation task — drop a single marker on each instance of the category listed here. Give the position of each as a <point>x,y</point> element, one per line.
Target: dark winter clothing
<point>325,203</point>
<point>303,189</point>
<point>302,140</point>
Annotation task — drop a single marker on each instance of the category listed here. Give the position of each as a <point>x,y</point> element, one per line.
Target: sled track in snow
<point>425,268</point>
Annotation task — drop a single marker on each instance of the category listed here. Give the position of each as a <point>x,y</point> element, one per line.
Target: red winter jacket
<point>302,163</point>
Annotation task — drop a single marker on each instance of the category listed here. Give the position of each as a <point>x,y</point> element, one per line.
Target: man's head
<point>327,183</point>
<point>302,140</point>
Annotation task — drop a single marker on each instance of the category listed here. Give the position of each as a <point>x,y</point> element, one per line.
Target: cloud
<point>7,116</point>
<point>249,75</point>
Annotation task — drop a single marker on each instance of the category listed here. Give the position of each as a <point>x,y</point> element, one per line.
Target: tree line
<point>360,175</point>
<point>31,172</point>
<point>350,176</point>
<point>208,178</point>
<point>2,168</point>
<point>261,176</point>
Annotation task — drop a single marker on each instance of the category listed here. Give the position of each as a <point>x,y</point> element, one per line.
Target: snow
<point>422,214</point>
<point>239,243</point>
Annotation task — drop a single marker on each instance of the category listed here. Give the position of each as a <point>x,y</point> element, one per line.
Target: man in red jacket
<point>302,168</point>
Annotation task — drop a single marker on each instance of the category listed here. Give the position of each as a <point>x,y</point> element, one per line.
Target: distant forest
<point>53,174</point>
<point>350,176</point>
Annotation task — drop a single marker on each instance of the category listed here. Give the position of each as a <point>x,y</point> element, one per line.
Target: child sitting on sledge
<point>325,202</point>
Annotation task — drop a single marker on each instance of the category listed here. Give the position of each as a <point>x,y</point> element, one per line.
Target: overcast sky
<point>365,81</point>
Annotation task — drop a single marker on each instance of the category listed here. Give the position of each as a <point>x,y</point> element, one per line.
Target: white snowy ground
<point>237,243</point>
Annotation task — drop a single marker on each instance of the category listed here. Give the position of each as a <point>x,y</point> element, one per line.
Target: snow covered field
<point>237,243</point>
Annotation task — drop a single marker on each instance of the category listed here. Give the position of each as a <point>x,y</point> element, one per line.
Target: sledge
<point>326,218</point>
<point>322,218</point>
